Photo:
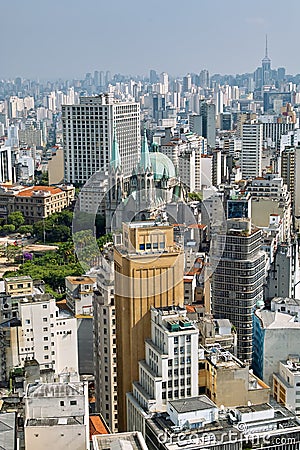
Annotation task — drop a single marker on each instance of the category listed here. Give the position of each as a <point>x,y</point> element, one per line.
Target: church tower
<point>115,189</point>
<point>144,179</point>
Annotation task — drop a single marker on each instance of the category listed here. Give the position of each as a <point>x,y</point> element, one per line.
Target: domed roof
<point>161,165</point>
<point>260,303</point>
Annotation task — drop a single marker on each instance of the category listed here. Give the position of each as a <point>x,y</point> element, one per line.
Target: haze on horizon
<point>66,39</point>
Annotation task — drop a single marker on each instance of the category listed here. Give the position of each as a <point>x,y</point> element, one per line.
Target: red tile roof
<point>28,192</point>
<point>97,426</point>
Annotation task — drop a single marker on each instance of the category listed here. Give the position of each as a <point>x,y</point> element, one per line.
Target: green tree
<point>9,228</point>
<point>104,240</point>
<point>16,218</point>
<point>24,229</point>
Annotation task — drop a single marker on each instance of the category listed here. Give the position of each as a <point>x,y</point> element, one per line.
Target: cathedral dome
<point>161,165</point>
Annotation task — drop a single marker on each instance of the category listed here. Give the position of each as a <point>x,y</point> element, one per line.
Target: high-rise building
<point>266,67</point>
<point>170,368</point>
<point>237,281</point>
<point>204,78</point>
<point>187,83</point>
<point>153,76</point>
<point>105,359</point>
<point>251,155</point>
<point>88,130</point>
<point>208,114</point>
<point>148,272</point>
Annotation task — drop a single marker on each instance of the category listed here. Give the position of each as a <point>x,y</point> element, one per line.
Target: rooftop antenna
<point>266,46</point>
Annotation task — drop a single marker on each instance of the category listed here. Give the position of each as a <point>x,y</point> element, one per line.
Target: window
<point>62,403</point>
<point>45,319</point>
<point>44,306</point>
<point>73,402</point>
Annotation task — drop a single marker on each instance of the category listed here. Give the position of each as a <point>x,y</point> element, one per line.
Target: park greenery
<point>75,253</point>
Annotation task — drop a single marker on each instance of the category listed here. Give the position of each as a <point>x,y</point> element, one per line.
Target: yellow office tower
<point>148,272</point>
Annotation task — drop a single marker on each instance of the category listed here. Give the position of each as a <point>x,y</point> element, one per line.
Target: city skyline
<point>64,40</point>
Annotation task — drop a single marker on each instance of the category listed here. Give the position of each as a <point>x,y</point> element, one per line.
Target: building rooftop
<point>18,279</point>
<point>39,191</point>
<point>7,431</point>
<point>97,426</point>
<point>192,404</point>
<point>276,320</point>
<point>55,390</point>
<point>254,408</point>
<point>120,441</point>
<point>81,280</point>
<point>286,301</point>
<point>52,422</point>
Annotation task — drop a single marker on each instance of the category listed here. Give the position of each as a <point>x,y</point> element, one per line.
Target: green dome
<point>260,303</point>
<point>161,165</point>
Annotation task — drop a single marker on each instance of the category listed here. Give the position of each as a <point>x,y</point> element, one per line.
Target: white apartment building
<point>286,384</point>
<point>105,362</point>
<point>207,171</point>
<point>80,295</point>
<point>170,368</point>
<point>185,153</point>
<point>270,196</point>
<point>286,305</point>
<point>252,144</point>
<point>88,130</point>
<point>46,334</point>
<point>57,416</point>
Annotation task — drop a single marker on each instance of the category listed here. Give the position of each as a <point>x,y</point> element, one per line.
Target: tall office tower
<point>105,358</point>
<point>153,76</point>
<point>281,74</point>
<point>204,78</point>
<point>164,79</point>
<point>187,83</point>
<point>107,77</point>
<point>208,114</point>
<point>101,79</point>
<point>148,272</point>
<point>88,130</point>
<point>170,368</point>
<point>288,170</point>
<point>266,67</point>
<point>296,205</point>
<point>251,155</point>
<point>6,169</point>
<point>237,282</point>
<point>96,78</point>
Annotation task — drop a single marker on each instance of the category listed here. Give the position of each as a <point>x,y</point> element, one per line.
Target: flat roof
<point>80,280</point>
<point>254,408</point>
<point>53,421</point>
<point>42,390</point>
<point>130,441</point>
<point>192,404</point>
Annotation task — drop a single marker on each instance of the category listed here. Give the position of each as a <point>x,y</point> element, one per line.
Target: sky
<point>42,39</point>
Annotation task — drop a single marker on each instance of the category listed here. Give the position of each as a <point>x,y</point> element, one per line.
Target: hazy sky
<point>67,38</point>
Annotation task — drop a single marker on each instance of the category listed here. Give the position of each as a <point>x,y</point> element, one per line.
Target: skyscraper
<point>266,67</point>
<point>170,368</point>
<point>208,114</point>
<point>237,282</point>
<point>88,135</point>
<point>251,155</point>
<point>148,272</point>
